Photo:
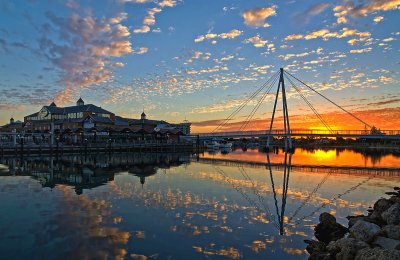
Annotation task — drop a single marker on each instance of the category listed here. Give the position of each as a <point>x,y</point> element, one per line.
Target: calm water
<point>173,206</point>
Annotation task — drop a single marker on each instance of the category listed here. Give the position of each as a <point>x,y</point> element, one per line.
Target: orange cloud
<point>256,17</point>
<point>258,42</point>
<point>363,9</point>
<point>84,55</point>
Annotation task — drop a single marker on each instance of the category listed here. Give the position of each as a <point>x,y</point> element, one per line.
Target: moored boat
<point>225,145</point>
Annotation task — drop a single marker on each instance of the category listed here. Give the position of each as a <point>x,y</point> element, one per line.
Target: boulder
<point>314,247</point>
<point>328,230</point>
<point>321,256</point>
<point>364,231</point>
<point>377,253</point>
<point>395,199</point>
<point>346,248</point>
<point>354,219</point>
<point>386,243</point>
<point>392,231</point>
<point>381,205</point>
<point>392,214</point>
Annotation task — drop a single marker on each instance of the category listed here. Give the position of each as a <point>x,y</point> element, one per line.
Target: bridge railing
<point>301,132</point>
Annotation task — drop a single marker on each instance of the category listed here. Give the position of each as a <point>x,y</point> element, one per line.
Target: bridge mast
<point>287,132</point>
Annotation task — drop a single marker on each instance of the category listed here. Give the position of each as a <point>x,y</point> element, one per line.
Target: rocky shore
<point>374,236</point>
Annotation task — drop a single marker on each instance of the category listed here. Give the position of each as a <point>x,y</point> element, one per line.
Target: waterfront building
<point>88,121</point>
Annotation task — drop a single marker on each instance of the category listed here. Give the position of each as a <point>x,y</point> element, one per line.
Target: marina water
<point>240,204</point>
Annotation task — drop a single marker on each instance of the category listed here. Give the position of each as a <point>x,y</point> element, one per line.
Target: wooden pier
<point>96,148</point>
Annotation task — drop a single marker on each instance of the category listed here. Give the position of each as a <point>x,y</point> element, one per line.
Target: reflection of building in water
<point>143,171</point>
<point>92,171</point>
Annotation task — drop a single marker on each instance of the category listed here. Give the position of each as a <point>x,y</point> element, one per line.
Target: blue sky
<point>196,59</point>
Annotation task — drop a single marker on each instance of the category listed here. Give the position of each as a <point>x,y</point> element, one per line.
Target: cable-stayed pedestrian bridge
<point>303,91</point>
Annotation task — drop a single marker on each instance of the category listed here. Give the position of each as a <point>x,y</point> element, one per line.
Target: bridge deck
<point>384,134</point>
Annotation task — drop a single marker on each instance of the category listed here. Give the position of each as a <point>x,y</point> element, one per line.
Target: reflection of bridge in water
<point>279,219</point>
<point>370,171</point>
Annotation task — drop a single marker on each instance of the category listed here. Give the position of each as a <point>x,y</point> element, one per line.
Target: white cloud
<point>361,50</point>
<point>227,35</point>
<point>141,50</point>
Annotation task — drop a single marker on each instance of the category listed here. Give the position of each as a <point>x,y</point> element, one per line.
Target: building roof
<point>76,109</point>
<point>53,104</point>
<point>33,115</point>
<point>100,119</point>
<point>80,100</point>
<point>146,122</point>
<point>121,121</point>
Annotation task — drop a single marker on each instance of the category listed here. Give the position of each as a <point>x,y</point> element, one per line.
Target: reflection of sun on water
<point>322,155</point>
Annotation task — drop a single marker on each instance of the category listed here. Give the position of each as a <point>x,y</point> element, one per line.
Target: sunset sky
<point>199,60</point>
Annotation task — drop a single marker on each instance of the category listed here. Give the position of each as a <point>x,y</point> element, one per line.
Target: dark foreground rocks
<point>372,236</point>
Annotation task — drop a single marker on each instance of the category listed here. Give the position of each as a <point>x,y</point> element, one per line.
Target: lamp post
<point>109,144</point>
<point>21,139</point>
<point>57,142</point>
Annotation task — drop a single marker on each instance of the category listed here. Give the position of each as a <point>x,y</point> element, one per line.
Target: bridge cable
<point>256,192</point>
<point>310,196</point>
<point>351,114</point>
<point>244,195</point>
<point>254,94</point>
<point>338,196</point>
<point>311,106</point>
<point>237,110</point>
<point>261,100</point>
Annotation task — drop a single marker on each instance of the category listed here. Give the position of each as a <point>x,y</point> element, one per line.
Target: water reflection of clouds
<point>194,208</point>
<point>81,229</point>
<point>218,211</point>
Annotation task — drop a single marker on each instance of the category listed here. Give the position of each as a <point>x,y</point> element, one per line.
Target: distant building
<point>17,125</point>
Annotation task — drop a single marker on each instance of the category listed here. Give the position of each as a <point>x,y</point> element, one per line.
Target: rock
<point>354,219</point>
<point>321,256</point>
<point>346,248</point>
<point>328,230</point>
<point>395,199</point>
<point>381,205</point>
<point>314,247</point>
<point>392,231</point>
<point>327,219</point>
<point>387,243</point>
<point>392,214</point>
<point>364,231</point>
<point>377,253</point>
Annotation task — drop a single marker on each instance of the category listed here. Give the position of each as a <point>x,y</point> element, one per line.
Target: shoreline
<point>372,236</point>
